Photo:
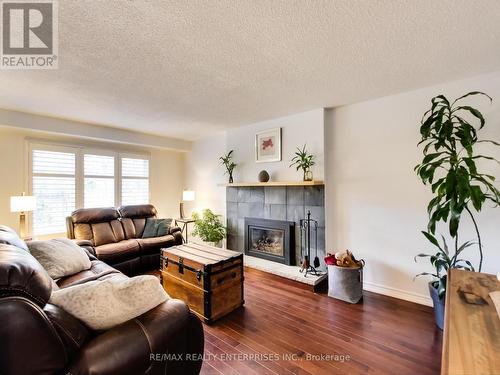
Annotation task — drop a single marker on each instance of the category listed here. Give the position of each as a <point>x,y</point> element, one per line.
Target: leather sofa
<point>116,236</point>
<point>39,338</point>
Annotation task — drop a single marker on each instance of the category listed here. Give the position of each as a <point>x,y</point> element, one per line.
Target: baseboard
<point>397,293</point>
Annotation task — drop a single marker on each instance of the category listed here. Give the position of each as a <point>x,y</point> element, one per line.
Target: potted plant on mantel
<point>229,164</point>
<point>209,227</point>
<point>449,136</point>
<point>303,160</point>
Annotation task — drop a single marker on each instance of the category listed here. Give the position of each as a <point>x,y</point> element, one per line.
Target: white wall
<point>376,205</point>
<point>297,130</point>
<point>166,168</point>
<point>204,172</point>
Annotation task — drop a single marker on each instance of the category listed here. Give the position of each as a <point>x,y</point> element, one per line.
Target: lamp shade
<point>22,203</point>
<point>188,195</point>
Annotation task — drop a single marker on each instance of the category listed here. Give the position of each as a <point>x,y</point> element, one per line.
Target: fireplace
<point>270,239</point>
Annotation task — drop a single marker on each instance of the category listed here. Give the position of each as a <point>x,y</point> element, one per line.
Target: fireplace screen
<point>269,241</point>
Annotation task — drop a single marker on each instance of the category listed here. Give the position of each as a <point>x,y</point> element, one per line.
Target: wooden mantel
<point>274,183</point>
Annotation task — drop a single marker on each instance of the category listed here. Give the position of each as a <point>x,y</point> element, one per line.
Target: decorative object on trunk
<point>263,176</point>
<point>208,227</point>
<point>306,225</point>
<point>229,164</point>
<point>303,160</point>
<point>268,146</point>
<point>449,135</point>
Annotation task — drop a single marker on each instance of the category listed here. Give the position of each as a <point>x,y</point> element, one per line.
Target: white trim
<point>47,124</point>
<point>397,293</point>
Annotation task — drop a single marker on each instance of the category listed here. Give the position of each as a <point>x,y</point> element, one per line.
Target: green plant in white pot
<point>209,227</point>
<point>449,136</point>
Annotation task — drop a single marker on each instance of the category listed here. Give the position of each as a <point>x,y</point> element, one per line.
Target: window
<point>135,181</point>
<point>65,178</point>
<point>54,187</point>
<point>99,185</point>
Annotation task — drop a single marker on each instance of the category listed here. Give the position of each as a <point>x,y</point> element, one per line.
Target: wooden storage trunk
<point>208,279</point>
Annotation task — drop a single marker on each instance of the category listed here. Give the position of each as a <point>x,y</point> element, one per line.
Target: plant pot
<point>214,244</point>
<point>438,306</point>
<point>308,175</point>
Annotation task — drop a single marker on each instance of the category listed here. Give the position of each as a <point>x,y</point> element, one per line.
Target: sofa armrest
<point>88,247</point>
<point>83,243</point>
<point>166,337</point>
<point>177,234</point>
<point>174,229</point>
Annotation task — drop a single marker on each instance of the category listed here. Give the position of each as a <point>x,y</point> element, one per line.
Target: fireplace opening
<point>270,239</point>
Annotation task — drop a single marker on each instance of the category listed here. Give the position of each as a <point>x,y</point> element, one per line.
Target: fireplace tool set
<point>306,225</point>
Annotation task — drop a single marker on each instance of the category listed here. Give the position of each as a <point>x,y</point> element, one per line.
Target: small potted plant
<point>303,160</point>
<point>229,164</point>
<point>209,227</point>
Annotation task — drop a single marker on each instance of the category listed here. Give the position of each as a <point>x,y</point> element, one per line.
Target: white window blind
<point>53,183</point>
<point>99,181</point>
<point>135,181</point>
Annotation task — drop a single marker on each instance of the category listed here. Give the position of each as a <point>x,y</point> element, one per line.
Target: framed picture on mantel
<point>268,145</point>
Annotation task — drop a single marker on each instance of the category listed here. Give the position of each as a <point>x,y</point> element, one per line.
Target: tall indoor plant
<point>449,136</point>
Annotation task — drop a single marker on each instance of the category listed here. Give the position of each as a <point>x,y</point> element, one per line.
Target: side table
<point>184,227</point>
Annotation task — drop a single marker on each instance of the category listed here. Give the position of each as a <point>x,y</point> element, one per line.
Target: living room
<point>250,187</point>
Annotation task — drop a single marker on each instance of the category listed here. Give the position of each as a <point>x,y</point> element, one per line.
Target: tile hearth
<point>289,272</point>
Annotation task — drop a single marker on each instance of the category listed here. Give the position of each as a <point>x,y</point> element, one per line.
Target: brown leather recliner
<point>38,338</point>
<point>116,235</point>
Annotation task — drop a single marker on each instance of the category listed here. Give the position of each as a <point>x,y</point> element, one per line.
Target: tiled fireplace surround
<point>289,203</point>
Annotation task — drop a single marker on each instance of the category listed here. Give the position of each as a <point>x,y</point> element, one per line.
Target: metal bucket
<point>345,283</point>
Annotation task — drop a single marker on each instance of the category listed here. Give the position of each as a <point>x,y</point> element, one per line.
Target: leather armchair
<point>37,337</point>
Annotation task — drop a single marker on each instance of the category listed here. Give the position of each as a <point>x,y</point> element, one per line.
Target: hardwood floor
<point>281,318</point>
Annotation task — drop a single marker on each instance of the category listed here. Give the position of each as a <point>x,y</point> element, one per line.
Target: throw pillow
<point>60,257</point>
<point>150,228</point>
<point>103,304</point>
<point>163,227</point>
<point>156,227</point>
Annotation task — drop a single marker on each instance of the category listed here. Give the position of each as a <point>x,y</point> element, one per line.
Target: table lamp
<point>22,204</point>
<point>187,196</point>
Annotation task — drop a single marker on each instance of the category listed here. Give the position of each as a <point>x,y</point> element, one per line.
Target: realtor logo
<point>29,34</point>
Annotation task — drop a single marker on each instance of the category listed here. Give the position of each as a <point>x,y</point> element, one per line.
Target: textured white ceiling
<point>186,68</point>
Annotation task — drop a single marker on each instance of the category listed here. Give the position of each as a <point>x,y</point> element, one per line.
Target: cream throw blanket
<point>103,304</point>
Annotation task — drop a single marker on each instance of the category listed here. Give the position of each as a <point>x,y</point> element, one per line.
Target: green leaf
<point>454,223</point>
<point>439,98</point>
<point>477,197</point>
<point>431,157</point>
<point>432,239</point>
<point>442,287</point>
<point>473,93</point>
<point>475,113</point>
<point>451,182</point>
<point>471,165</point>
<point>425,274</point>
<point>489,141</point>
<point>445,245</point>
